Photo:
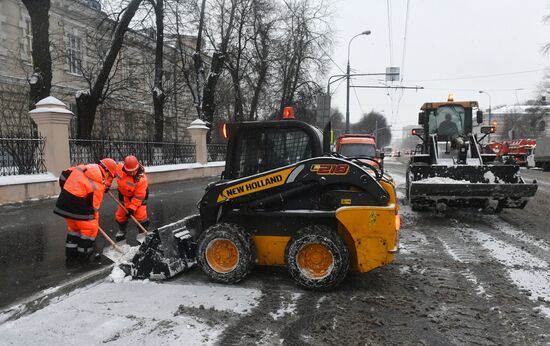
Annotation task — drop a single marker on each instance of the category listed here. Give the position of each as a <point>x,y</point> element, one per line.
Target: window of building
<point>27,38</point>
<point>74,54</point>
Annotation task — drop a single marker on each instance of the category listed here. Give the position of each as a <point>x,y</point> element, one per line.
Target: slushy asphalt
<point>32,238</point>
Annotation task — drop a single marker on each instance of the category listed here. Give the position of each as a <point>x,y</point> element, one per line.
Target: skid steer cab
<point>284,201</point>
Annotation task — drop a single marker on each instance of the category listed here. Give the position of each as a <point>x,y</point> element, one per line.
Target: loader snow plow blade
<point>488,187</point>
<point>166,252</point>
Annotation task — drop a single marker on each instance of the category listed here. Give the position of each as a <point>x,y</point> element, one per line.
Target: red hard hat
<point>109,165</point>
<point>131,163</point>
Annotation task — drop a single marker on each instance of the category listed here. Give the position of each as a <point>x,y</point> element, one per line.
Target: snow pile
<point>118,275</point>
<point>441,180</point>
<point>118,258</point>
<point>490,177</point>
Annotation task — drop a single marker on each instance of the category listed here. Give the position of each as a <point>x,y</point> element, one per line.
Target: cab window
<point>446,121</point>
<point>265,149</point>
<point>358,149</point>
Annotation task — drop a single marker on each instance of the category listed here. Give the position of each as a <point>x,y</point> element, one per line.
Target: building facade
<point>79,36</point>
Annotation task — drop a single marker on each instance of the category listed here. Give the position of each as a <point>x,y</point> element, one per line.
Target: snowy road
<point>460,279</point>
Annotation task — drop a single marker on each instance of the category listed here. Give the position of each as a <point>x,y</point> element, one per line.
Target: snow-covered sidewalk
<point>133,313</point>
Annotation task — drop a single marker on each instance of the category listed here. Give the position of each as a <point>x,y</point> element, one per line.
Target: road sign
<point>323,109</point>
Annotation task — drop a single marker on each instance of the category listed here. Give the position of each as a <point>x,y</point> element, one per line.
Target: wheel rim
<point>315,261</point>
<point>222,255</point>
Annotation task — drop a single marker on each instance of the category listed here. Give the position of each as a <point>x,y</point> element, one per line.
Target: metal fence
<point>216,152</point>
<point>148,153</point>
<point>22,156</point>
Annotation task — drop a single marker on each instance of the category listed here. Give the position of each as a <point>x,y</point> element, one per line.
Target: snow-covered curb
<point>27,179</point>
<point>181,166</point>
<point>49,177</point>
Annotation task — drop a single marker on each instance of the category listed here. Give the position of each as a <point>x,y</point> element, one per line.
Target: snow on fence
<point>148,153</point>
<point>216,152</point>
<point>22,156</point>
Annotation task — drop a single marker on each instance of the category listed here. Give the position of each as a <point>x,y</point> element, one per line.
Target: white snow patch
<point>544,310</point>
<point>27,178</point>
<point>490,177</point>
<point>287,307</point>
<point>450,251</point>
<point>507,254</point>
<point>535,281</point>
<point>81,92</point>
<point>480,290</point>
<point>521,236</point>
<point>51,290</point>
<point>130,313</point>
<point>321,300</point>
<point>117,275</point>
<point>117,257</point>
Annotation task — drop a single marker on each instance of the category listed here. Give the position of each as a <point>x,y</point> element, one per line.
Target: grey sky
<point>445,39</point>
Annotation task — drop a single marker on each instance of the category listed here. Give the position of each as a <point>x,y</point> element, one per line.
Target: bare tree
<point>41,80</point>
<point>376,124</point>
<point>158,91</point>
<point>88,101</point>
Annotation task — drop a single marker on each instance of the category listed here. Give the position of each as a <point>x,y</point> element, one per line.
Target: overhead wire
<point>402,67</point>
<point>390,42</point>
<point>479,76</point>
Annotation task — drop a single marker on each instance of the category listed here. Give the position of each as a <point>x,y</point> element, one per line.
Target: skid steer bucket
<point>166,252</point>
<point>486,186</point>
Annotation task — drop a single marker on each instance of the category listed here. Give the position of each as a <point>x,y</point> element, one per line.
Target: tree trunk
<point>86,110</point>
<point>158,91</point>
<point>218,60</point>
<point>209,91</point>
<point>41,58</point>
<point>87,103</point>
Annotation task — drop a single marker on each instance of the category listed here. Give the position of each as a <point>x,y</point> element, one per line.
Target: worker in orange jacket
<point>133,191</point>
<point>82,189</point>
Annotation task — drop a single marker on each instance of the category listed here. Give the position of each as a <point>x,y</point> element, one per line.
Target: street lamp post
<point>348,72</point>
<point>486,93</point>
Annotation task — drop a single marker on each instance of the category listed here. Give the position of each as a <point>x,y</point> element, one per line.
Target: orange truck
<point>359,146</point>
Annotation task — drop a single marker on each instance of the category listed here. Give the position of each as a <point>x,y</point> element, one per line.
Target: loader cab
<point>447,120</point>
<point>256,147</point>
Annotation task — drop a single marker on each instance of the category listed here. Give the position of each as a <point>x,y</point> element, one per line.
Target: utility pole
<point>348,72</point>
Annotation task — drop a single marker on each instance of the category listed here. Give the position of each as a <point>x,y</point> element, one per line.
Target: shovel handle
<point>126,210</point>
<point>110,241</point>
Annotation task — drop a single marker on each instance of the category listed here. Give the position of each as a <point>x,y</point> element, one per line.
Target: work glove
<point>130,212</point>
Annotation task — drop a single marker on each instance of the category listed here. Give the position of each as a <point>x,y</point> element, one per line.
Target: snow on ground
<point>287,306</point>
<point>526,271</point>
<point>134,312</point>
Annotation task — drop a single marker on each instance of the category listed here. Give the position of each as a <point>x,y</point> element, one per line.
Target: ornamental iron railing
<point>216,152</point>
<point>148,153</point>
<point>22,156</point>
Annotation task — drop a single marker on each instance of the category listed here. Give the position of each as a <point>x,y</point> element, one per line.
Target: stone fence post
<point>52,118</point>
<point>198,131</point>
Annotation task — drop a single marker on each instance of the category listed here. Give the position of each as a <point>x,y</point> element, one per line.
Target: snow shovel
<point>107,252</point>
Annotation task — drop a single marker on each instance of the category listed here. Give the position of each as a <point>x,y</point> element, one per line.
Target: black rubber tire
<point>318,234</point>
<point>245,247</point>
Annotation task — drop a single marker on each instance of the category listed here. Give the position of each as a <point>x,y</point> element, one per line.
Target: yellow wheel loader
<point>449,169</point>
<point>283,200</point>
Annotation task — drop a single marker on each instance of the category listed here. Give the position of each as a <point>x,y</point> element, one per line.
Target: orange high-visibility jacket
<point>82,193</point>
<point>135,189</point>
